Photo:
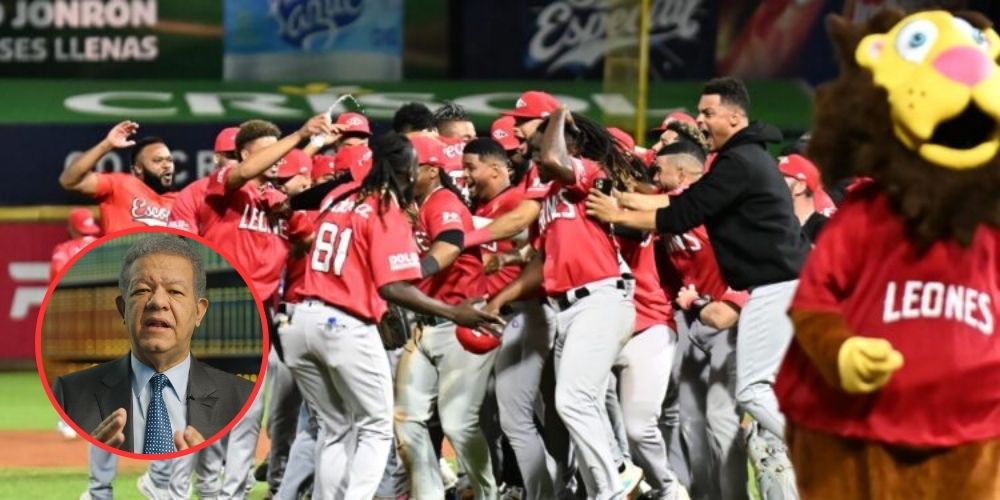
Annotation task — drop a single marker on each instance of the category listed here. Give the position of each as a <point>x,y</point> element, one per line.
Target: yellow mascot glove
<point>865,364</point>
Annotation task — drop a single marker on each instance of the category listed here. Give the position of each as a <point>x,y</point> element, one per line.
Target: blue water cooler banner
<point>281,40</point>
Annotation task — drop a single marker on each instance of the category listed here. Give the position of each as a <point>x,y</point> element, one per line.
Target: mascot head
<point>917,108</point>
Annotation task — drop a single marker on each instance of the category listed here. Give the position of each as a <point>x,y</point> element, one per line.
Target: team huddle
<point>559,303</point>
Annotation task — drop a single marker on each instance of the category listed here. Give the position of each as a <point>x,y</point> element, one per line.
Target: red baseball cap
<point>295,162</point>
<point>354,123</point>
<point>533,104</point>
<point>322,165</point>
<point>625,142</point>
<point>429,150</point>
<point>474,341</point>
<point>82,221</point>
<point>676,116</point>
<point>502,131</point>
<point>798,167</point>
<point>225,142</point>
<point>453,148</point>
<point>354,159</point>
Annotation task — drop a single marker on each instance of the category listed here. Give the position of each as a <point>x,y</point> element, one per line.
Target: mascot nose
<point>965,65</point>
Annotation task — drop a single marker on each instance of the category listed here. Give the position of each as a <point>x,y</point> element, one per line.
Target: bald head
<point>677,170</point>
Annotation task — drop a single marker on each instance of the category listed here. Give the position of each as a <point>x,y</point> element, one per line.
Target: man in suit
<point>157,398</point>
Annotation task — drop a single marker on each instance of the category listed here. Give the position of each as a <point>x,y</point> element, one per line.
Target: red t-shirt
<point>444,211</point>
<point>65,251</point>
<point>578,249</point>
<point>183,215</point>
<point>652,306</point>
<point>300,226</point>
<point>694,263</point>
<point>238,222</point>
<point>357,251</point>
<point>125,201</point>
<point>938,309</point>
<point>502,203</point>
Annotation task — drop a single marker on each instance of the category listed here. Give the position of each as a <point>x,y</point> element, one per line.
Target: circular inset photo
<point>151,343</point>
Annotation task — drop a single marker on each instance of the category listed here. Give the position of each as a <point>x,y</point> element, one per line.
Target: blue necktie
<point>159,437</point>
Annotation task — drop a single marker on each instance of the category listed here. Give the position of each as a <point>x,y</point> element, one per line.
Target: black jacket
<point>215,397</point>
<point>746,208</point>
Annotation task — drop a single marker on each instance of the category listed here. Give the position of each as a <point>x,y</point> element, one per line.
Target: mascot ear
<point>845,37</point>
<point>870,50</point>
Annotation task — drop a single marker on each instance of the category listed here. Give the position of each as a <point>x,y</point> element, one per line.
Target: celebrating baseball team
<point>425,284</point>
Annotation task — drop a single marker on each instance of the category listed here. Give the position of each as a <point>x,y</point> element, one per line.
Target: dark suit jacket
<point>88,396</point>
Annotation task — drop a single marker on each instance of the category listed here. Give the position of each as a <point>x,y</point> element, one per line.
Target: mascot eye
<point>976,34</point>
<point>916,39</point>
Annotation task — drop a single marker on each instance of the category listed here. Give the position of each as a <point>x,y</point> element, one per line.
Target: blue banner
<point>281,40</point>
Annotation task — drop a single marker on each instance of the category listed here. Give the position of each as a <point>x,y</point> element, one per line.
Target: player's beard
<point>155,182</point>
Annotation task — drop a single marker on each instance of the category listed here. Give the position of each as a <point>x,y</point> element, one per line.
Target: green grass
<point>70,483</point>
<point>26,407</point>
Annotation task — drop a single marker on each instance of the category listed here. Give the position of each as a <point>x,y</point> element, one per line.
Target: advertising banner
<point>110,38</point>
<point>277,40</point>
<point>45,125</point>
<point>24,277</point>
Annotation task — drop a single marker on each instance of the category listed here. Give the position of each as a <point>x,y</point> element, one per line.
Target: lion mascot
<point>892,385</point>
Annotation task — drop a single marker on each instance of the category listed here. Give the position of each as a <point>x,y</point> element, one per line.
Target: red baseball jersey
<point>532,185</point>
<point>125,201</point>
<point>444,211</point>
<point>65,251</point>
<point>652,306</point>
<point>693,263</point>
<point>938,309</point>
<point>184,214</point>
<point>502,203</point>
<point>300,227</point>
<point>356,251</point>
<point>578,249</point>
<point>238,222</point>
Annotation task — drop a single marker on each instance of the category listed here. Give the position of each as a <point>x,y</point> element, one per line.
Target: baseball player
<point>82,231</point>
<point>528,337</point>
<point>709,311</point>
<point>183,214</point>
<point>583,283</point>
<point>363,254</point>
<point>434,366</point>
<point>643,366</point>
<point>142,197</point>
<point>235,216</point>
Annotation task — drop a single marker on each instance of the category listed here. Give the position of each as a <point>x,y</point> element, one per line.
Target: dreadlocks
<point>592,141</point>
<point>392,171</point>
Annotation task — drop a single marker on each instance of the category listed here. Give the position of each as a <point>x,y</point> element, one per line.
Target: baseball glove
<point>395,327</point>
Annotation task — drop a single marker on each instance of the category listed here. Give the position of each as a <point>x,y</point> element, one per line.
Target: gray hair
<point>162,243</point>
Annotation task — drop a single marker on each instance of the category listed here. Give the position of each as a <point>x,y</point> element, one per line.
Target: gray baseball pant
<point>708,404</point>
<point>589,335</point>
<point>527,340</point>
<point>207,465</point>
<point>765,331</point>
<point>435,366</point>
<point>241,450</point>
<point>301,456</point>
<point>394,481</point>
<point>618,438</point>
<point>284,402</point>
<point>342,371</point>
<point>643,368</point>
<point>103,468</point>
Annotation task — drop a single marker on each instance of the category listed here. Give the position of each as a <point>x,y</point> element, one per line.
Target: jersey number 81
<point>331,244</point>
